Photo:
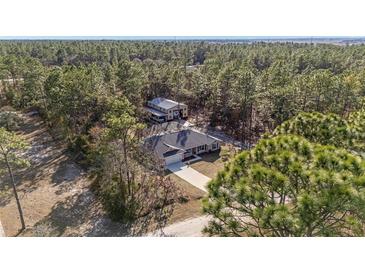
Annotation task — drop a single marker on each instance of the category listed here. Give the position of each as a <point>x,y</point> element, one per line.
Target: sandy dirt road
<point>188,228</point>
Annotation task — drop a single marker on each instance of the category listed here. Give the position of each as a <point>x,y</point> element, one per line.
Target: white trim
<point>188,153</point>
<point>216,146</point>
<point>198,150</point>
<point>196,158</point>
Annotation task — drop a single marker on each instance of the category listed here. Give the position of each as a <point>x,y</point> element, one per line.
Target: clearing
<point>56,197</point>
<point>54,192</point>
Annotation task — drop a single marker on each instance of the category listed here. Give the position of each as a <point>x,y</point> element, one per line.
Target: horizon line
<point>172,38</point>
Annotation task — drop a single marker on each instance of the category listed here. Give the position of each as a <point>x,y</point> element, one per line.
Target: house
<point>164,110</point>
<point>174,147</point>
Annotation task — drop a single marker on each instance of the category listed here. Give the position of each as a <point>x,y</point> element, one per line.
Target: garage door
<point>173,159</point>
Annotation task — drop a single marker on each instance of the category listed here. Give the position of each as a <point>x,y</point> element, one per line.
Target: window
<point>201,148</point>
<point>214,146</point>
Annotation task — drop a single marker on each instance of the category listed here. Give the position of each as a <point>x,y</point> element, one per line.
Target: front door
<point>194,150</point>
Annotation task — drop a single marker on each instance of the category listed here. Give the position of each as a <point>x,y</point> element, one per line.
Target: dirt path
<point>188,228</point>
<point>54,193</point>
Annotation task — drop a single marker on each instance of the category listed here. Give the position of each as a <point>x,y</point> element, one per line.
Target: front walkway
<point>190,175</point>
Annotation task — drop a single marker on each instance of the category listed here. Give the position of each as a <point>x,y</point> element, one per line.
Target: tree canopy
<point>327,129</point>
<point>246,89</point>
<point>288,186</point>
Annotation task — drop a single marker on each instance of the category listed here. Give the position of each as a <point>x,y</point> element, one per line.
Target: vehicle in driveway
<point>174,147</point>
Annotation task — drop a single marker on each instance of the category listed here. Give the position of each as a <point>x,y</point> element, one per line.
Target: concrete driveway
<point>190,175</point>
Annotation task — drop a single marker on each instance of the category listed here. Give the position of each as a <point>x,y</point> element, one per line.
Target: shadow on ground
<point>44,155</point>
<point>81,215</point>
<point>55,194</point>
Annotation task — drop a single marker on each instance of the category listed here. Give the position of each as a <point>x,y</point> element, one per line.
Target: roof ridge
<point>171,146</point>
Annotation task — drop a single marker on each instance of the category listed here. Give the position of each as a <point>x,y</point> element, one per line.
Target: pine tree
<point>11,147</point>
<point>287,186</point>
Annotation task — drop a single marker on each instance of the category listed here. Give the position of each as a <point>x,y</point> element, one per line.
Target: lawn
<point>209,165</point>
<point>191,208</point>
<point>191,191</point>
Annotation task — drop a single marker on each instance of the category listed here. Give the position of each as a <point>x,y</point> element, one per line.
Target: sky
<point>183,38</point>
<point>22,18</point>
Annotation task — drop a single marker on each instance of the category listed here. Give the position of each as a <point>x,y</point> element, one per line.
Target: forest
<point>91,95</point>
<point>247,89</point>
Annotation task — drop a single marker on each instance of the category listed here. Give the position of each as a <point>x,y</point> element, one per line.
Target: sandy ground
<point>55,194</point>
<point>56,197</point>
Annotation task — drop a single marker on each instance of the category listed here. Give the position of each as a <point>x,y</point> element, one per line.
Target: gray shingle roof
<point>164,103</point>
<point>181,140</point>
<point>172,152</point>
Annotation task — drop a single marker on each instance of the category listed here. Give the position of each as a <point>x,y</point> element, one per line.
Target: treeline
<point>246,89</point>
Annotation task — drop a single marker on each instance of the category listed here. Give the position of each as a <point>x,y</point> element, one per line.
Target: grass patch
<point>184,211</point>
<point>212,163</point>
<point>193,207</point>
<point>191,191</point>
<point>209,165</point>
